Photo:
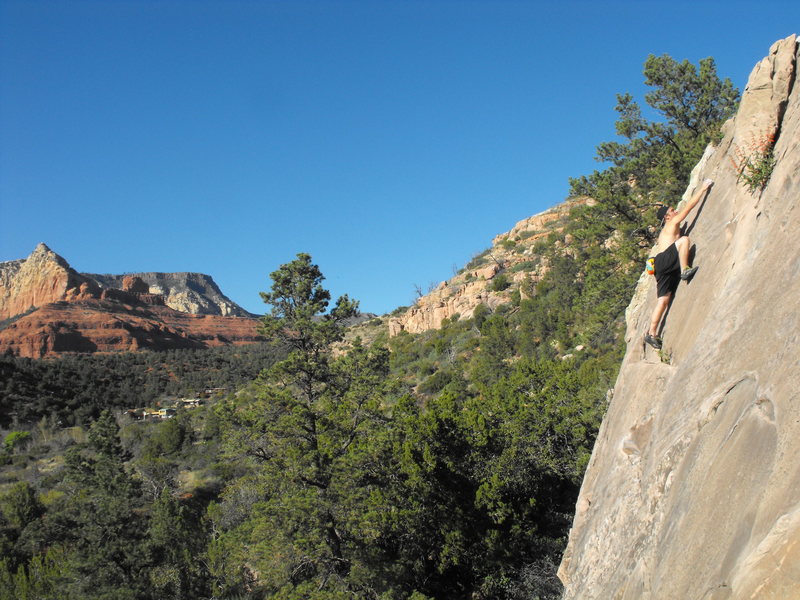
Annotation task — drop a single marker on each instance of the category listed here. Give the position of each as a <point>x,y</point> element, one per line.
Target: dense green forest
<point>74,389</point>
<point>443,465</point>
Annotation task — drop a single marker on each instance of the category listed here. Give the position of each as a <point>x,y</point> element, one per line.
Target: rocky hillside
<point>47,308</point>
<point>41,278</point>
<point>693,489</point>
<point>194,293</point>
<point>491,277</point>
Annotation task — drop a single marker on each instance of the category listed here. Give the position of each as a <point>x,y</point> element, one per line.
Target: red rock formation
<point>52,310</point>
<point>41,278</point>
<point>111,326</point>
<point>194,293</point>
<point>132,297</point>
<point>135,285</point>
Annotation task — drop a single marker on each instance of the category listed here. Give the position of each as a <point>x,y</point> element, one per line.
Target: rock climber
<point>672,260</point>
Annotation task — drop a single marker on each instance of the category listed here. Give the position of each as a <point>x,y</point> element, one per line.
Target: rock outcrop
<point>41,278</point>
<point>135,285</point>
<point>115,323</point>
<point>693,489</point>
<point>194,293</point>
<point>47,308</point>
<point>513,254</point>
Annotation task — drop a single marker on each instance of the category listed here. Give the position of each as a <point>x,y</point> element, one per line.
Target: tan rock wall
<point>33,282</point>
<point>693,489</point>
<point>463,293</point>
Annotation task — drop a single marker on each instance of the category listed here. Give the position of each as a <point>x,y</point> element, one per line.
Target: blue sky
<point>391,140</point>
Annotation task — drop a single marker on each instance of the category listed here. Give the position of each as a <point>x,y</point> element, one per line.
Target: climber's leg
<point>661,306</point>
<point>683,244</point>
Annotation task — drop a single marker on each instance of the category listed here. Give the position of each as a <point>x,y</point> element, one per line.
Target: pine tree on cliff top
<point>655,159</point>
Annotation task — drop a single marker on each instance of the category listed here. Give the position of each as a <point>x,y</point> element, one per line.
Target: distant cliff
<point>47,308</point>
<point>491,277</point>
<point>693,489</point>
<point>41,278</point>
<point>193,293</point>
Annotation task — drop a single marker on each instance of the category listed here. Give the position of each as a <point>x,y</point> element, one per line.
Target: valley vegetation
<point>441,465</point>
<point>74,389</point>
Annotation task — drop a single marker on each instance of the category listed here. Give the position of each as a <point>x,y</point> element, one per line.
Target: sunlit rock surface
<point>693,489</point>
<point>47,309</point>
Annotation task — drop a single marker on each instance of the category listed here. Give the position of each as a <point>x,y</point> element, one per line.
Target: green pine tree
<point>305,430</point>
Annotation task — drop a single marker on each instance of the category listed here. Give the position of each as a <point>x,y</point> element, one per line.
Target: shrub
<point>754,163</point>
<point>16,439</point>
<point>530,233</point>
<point>508,244</point>
<point>527,265</point>
<point>500,282</point>
<point>436,382</point>
<point>478,260</point>
<point>480,314</point>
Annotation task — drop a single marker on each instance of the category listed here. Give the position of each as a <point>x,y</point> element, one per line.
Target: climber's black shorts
<point>668,270</point>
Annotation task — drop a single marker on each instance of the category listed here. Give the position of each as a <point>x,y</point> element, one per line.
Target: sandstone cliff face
<point>51,309</point>
<point>512,254</point>
<point>119,323</point>
<point>693,489</point>
<point>41,278</point>
<point>194,293</point>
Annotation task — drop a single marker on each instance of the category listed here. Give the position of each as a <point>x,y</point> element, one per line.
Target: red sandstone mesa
<point>50,309</point>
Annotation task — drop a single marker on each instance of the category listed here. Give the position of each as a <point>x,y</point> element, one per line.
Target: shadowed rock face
<point>693,489</point>
<point>49,309</point>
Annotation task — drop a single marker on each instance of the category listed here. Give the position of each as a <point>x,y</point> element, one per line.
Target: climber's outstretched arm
<point>684,212</point>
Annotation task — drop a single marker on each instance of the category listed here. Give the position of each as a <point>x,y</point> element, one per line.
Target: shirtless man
<point>672,260</point>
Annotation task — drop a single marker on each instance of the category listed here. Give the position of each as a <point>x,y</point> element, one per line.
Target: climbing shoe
<point>688,273</point>
<point>654,341</point>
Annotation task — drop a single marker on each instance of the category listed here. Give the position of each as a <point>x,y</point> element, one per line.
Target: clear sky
<point>391,140</point>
